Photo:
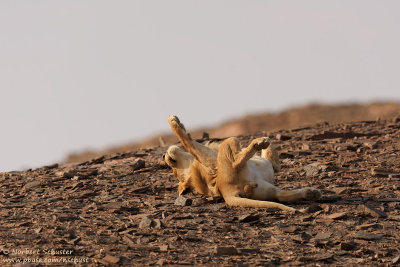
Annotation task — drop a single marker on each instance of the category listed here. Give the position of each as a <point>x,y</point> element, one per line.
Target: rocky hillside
<point>288,119</point>
<point>122,209</point>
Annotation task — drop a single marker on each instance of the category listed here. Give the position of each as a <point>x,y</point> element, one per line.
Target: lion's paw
<point>312,194</point>
<point>249,189</point>
<point>175,122</point>
<point>183,188</point>
<point>261,143</point>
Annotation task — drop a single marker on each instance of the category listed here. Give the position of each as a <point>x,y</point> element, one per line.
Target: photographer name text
<point>31,252</point>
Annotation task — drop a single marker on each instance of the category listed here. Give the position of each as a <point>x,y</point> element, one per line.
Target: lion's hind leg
<point>271,154</point>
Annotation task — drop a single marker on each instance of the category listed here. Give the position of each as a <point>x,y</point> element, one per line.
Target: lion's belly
<point>261,172</point>
<point>260,169</point>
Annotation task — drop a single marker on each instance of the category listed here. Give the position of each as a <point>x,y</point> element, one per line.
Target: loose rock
<point>323,236</point>
<point>337,216</point>
<point>111,259</point>
<point>221,251</point>
<point>138,164</point>
<point>313,208</point>
<point>350,245</point>
<point>146,222</point>
<point>283,137</point>
<point>368,236</point>
<point>183,201</point>
<point>249,218</point>
<point>372,211</point>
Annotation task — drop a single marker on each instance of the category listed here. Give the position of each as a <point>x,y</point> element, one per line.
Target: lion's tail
<point>246,202</point>
<point>272,155</point>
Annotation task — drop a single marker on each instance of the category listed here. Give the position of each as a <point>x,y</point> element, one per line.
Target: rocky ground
<point>122,209</point>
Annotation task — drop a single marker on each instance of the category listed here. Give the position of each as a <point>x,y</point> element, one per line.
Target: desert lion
<point>238,175</point>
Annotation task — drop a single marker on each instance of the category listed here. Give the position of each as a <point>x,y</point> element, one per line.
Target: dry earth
<point>122,209</point>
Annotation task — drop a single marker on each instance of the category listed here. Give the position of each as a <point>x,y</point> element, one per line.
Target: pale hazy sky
<point>91,74</point>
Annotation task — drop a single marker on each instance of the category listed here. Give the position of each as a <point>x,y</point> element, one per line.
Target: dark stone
<point>282,137</point>
<point>220,251</point>
<point>249,218</point>
<point>313,208</point>
<point>350,245</point>
<point>138,164</point>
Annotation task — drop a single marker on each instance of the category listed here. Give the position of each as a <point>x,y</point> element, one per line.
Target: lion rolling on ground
<point>240,176</point>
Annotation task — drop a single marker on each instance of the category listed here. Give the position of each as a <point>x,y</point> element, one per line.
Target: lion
<point>240,176</point>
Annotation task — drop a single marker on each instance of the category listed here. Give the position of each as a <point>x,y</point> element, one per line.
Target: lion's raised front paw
<point>261,143</point>
<point>312,194</point>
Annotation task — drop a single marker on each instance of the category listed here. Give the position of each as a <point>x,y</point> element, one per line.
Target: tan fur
<point>238,175</point>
